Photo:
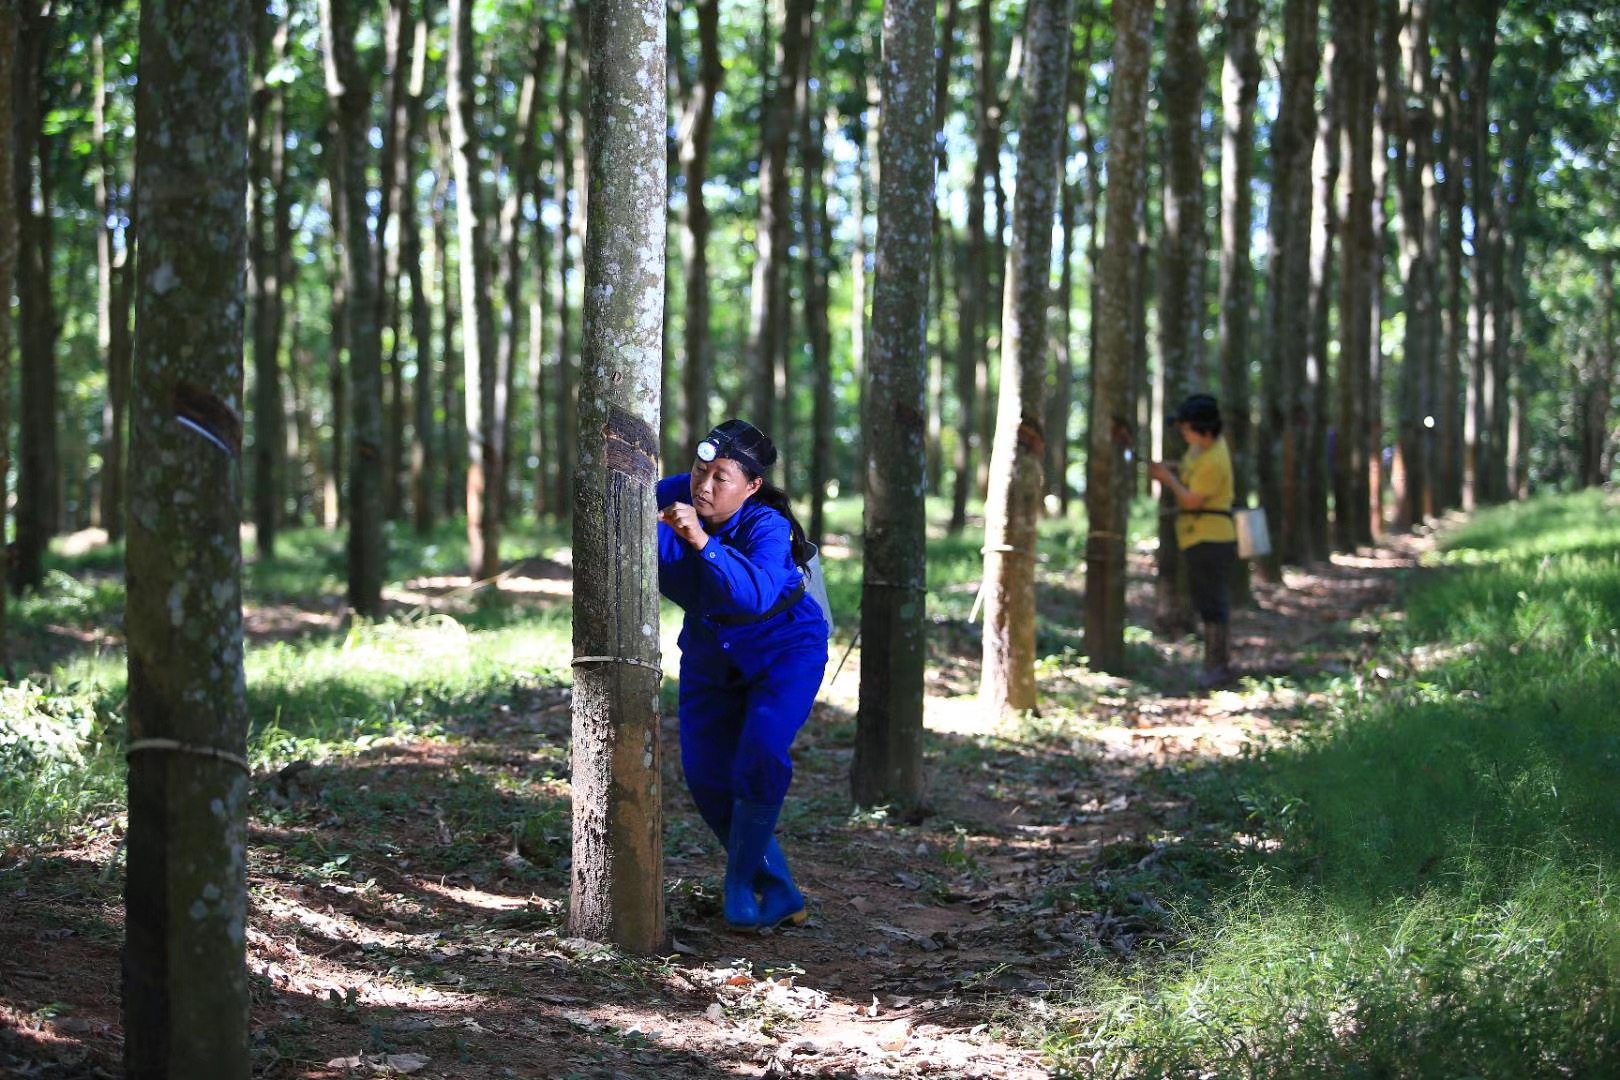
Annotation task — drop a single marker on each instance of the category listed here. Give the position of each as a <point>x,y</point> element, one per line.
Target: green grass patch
<point>1431,875</point>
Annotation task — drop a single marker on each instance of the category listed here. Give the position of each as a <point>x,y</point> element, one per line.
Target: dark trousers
<point>1209,578</point>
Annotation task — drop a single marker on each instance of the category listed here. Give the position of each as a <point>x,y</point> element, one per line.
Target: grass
<point>1429,877</point>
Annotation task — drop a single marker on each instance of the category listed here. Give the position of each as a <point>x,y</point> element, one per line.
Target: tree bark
<point>1181,299</point>
<point>526,169</point>
<point>1350,493</point>
<point>973,348</point>
<point>478,333</point>
<point>1013,511</point>
<point>562,164</point>
<point>1453,326</point>
<point>1285,429</point>
<point>267,210</point>
<point>696,132</point>
<point>350,93</point>
<point>411,255</point>
<point>113,336</point>
<point>1109,473</point>
<point>1477,463</point>
<point>814,190</point>
<point>1240,88</point>
<point>37,508</point>
<point>889,720</point>
<point>1418,245</point>
<point>618,873</point>
<point>185,972</point>
<point>9,19</point>
<point>398,39</point>
<point>765,314</point>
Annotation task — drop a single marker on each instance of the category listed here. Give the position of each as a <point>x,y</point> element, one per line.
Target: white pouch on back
<point>816,585</point>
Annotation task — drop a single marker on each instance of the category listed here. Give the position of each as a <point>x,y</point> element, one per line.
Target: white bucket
<point>1253,538</point>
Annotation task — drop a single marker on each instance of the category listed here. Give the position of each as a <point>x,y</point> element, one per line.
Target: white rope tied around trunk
<point>175,746</point>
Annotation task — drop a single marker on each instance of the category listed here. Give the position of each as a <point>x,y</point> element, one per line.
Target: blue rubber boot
<point>752,828</point>
<point>780,900</point>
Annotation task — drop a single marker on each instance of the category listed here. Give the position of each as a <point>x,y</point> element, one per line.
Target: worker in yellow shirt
<point>1204,529</point>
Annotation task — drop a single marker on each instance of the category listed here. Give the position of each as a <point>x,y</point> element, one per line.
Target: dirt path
<point>394,931</point>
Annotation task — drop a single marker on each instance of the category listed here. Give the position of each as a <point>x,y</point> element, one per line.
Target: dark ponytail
<point>774,497</point>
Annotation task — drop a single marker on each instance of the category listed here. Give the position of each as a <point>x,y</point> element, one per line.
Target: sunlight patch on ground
<point>477,898</point>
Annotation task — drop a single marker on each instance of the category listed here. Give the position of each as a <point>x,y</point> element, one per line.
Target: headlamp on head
<point>708,450</point>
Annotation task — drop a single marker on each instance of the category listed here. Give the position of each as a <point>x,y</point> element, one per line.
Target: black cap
<point>1198,409</point>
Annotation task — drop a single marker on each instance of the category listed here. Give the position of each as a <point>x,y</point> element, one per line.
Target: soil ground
<point>392,935</point>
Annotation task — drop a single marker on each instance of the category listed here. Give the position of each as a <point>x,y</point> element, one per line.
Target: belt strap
<point>777,608</point>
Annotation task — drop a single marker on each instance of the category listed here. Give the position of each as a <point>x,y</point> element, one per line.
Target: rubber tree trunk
<point>1419,347</point>
<point>8,278</point>
<point>1285,416</point>
<point>185,894</point>
<point>1240,87</point>
<point>1315,537</point>
<point>563,167</point>
<point>411,256</point>
<point>618,872</point>
<point>1109,474</point>
<point>113,273</point>
<point>478,332</point>
<point>350,94</point>
<point>889,719</point>
<point>1351,497</point>
<point>267,209</point>
<point>37,503</point>
<point>1012,513</point>
<point>815,186</point>
<point>399,39</point>
<point>525,181</point>
<point>765,307</point>
<point>973,351</point>
<point>696,132</point>
<point>1181,299</point>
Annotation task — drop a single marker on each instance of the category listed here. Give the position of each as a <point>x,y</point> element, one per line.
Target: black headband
<point>720,444</point>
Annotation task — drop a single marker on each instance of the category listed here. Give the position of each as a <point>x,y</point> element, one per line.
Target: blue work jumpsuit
<point>747,683</point>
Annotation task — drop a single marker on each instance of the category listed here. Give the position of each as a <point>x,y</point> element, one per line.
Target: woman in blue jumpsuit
<point>753,650</point>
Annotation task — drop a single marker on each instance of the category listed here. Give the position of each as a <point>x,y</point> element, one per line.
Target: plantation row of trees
<point>438,237</point>
<point>1377,229</point>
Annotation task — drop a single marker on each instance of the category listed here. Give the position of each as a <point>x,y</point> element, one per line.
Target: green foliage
<point>1434,882</point>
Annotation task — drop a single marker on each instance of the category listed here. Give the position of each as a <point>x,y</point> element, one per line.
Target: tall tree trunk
<point>37,503</point>
<point>889,721</point>
<point>350,92</point>
<point>1181,304</point>
<point>8,277</point>
<point>765,315</point>
<point>1418,243</point>
<point>1285,427</point>
<point>1109,478</point>
<point>696,131</point>
<point>1240,88</point>
<point>1350,494</point>
<point>1013,511</point>
<point>525,171</point>
<point>563,165</point>
<point>1327,222</point>
<point>411,255</point>
<point>1385,142</point>
<point>942,355</point>
<point>618,872</point>
<point>972,337</point>
<point>112,306</point>
<point>478,333</point>
<point>814,191</point>
<point>1595,391</point>
<point>865,137</point>
<point>1478,450</point>
<point>1060,391</point>
<point>396,179</point>
<point>268,208</point>
<point>1453,325</point>
<point>185,894</point>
